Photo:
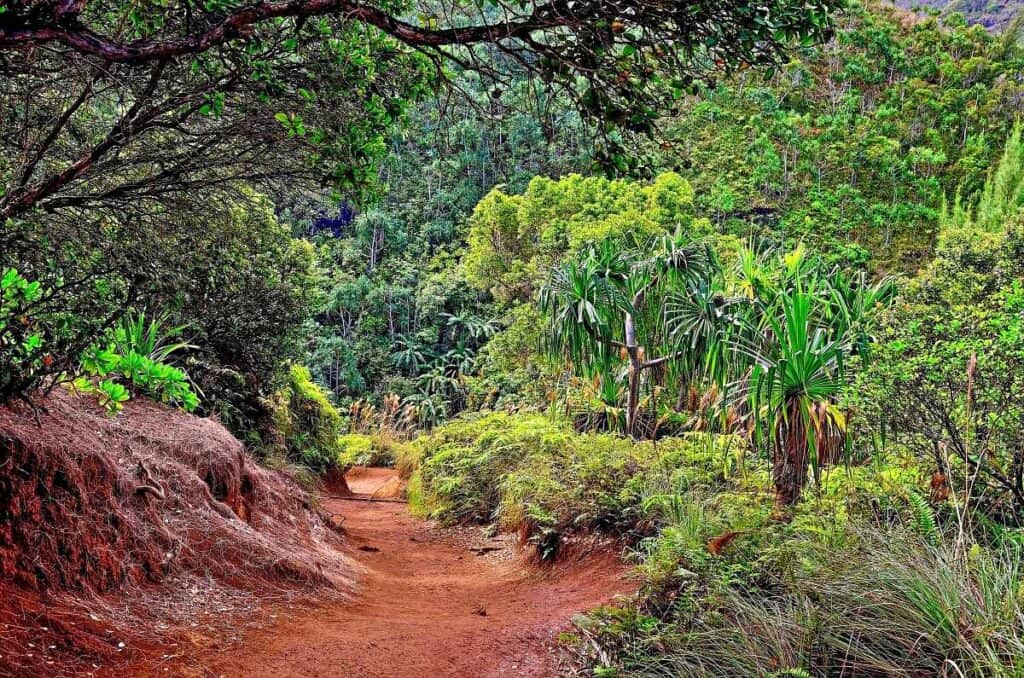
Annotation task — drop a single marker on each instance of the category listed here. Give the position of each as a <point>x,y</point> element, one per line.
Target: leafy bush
<point>356,449</point>
<point>378,449</point>
<point>118,373</point>
<point>949,380</point>
<point>542,479</point>
<point>41,339</point>
<point>137,358</point>
<point>244,289</point>
<point>79,280</point>
<point>21,345</point>
<point>860,579</point>
<point>229,271</point>
<point>306,426</point>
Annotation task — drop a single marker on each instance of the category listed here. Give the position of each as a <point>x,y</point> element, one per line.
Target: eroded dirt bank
<point>121,537</point>
<point>432,603</point>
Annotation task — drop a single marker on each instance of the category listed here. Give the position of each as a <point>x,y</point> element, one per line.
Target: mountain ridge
<point>992,14</point>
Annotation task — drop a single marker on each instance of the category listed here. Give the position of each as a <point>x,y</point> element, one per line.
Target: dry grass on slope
<point>114,532</point>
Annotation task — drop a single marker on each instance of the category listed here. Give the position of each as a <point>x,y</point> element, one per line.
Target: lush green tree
<point>851,145</point>
<point>949,376</point>
<point>515,239</point>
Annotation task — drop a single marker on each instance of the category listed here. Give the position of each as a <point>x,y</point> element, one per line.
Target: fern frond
<point>925,523</point>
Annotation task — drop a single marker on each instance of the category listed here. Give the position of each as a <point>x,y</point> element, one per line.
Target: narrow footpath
<point>433,603</point>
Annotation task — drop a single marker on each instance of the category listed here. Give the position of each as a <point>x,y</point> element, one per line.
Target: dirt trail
<point>433,603</point>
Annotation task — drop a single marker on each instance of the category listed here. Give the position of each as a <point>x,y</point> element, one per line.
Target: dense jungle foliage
<point>740,288</point>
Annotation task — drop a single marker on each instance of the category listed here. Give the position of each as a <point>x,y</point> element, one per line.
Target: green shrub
<point>63,285</point>
<point>113,375</point>
<point>355,449</point>
<point>306,425</point>
<point>378,449</point>
<point>948,382</point>
<point>849,582</point>
<point>532,475</point>
<point>138,357</point>
<point>244,290</point>
<point>42,336</point>
<point>22,347</point>
<point>135,355</point>
<point>231,272</point>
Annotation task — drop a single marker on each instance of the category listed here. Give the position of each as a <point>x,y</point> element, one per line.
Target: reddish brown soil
<point>119,535</point>
<point>433,603</point>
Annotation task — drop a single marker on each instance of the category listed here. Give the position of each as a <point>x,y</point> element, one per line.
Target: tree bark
<point>684,392</point>
<point>790,456</point>
<point>633,351</point>
<point>20,31</point>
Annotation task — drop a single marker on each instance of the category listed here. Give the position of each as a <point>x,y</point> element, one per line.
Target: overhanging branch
<point>23,32</point>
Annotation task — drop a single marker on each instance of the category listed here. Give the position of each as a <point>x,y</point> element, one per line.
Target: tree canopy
<point>117,106</point>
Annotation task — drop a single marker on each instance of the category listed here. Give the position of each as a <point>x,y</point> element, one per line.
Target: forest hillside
<point>991,15</point>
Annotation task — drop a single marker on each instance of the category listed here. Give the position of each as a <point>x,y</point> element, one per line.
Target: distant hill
<point>993,14</point>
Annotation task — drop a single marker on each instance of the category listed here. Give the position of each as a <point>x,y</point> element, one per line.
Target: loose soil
<point>122,538</point>
<point>433,602</point>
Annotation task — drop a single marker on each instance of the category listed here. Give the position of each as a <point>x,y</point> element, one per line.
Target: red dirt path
<point>430,605</point>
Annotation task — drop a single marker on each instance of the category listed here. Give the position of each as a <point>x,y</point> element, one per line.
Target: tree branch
<point>23,32</point>
<point>657,361</point>
<point>11,205</point>
<point>58,127</point>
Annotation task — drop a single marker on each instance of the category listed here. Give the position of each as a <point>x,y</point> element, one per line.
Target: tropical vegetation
<point>736,288</point>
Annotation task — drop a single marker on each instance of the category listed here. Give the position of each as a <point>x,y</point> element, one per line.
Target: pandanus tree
<point>606,308</point>
<point>796,378</point>
<point>812,325</point>
<point>776,336</point>
<point>705,319</point>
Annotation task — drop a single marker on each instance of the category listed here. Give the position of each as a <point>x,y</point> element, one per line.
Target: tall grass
<point>892,604</point>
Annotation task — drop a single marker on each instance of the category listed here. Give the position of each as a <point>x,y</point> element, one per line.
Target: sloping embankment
<point>117,532</point>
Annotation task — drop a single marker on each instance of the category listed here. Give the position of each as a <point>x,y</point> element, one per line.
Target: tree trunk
<point>790,456</point>
<point>633,352</point>
<point>632,404</point>
<point>683,396</point>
